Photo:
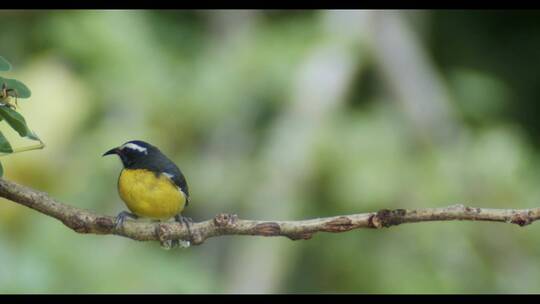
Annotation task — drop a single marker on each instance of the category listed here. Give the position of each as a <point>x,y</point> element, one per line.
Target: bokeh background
<point>280,115</point>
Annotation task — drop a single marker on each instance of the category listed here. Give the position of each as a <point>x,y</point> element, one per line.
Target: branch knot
<point>385,218</point>
<point>267,229</point>
<point>163,232</point>
<point>521,219</point>
<point>339,224</point>
<point>225,219</point>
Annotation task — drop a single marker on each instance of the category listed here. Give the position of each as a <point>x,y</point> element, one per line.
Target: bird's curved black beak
<point>112,151</point>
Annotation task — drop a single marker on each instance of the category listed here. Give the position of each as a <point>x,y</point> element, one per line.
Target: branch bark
<point>86,221</point>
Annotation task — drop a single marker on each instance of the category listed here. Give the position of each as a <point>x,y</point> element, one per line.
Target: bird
<point>150,184</point>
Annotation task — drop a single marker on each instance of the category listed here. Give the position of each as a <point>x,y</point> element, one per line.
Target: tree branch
<point>86,221</point>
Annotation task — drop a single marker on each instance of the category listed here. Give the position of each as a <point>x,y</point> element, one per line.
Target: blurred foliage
<point>13,89</point>
<point>4,65</point>
<point>19,89</point>
<point>207,87</point>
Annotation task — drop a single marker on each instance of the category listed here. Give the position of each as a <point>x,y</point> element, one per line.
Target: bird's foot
<point>121,217</point>
<point>187,222</point>
<point>175,243</point>
<point>167,244</point>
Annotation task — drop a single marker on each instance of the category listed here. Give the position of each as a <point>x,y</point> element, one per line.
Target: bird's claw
<point>187,221</point>
<point>120,218</point>
<point>167,244</point>
<point>183,219</point>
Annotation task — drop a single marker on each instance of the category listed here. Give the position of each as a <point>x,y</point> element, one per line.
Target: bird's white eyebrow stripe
<point>135,147</point>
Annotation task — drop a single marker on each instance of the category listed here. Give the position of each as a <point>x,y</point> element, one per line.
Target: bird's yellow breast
<point>149,195</point>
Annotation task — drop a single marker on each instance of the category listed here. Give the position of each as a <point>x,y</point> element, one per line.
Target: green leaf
<point>21,90</point>
<point>32,135</point>
<point>1,170</point>
<point>15,120</point>
<point>5,146</point>
<point>4,64</point>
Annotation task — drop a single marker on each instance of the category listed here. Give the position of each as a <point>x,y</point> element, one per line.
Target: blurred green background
<point>280,115</point>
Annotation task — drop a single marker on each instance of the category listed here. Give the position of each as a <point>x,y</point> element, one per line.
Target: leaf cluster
<point>11,90</point>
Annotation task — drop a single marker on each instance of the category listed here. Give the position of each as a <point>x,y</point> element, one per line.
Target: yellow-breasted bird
<point>150,184</point>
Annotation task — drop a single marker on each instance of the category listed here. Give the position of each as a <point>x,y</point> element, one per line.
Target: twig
<point>86,221</point>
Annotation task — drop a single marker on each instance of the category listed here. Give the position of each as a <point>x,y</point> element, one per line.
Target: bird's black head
<point>133,152</point>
